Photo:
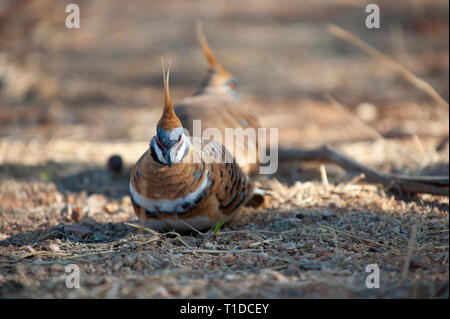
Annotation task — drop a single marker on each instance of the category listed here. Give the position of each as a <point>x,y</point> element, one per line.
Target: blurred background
<point>71,98</point>
<point>103,82</point>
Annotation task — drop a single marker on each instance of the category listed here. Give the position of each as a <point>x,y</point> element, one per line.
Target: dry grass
<point>419,83</point>
<point>310,239</point>
<point>69,103</point>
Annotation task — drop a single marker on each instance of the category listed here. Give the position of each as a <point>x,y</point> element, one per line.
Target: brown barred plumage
<point>186,180</point>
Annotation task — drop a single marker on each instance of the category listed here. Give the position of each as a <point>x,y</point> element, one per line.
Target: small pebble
<point>71,199</point>
<point>279,277</point>
<point>76,214</point>
<point>319,251</point>
<point>54,247</point>
<point>111,208</point>
<point>416,261</point>
<point>366,112</point>
<point>230,277</point>
<point>288,246</point>
<point>228,258</point>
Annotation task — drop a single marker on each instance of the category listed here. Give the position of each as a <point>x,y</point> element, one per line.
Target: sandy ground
<point>69,99</point>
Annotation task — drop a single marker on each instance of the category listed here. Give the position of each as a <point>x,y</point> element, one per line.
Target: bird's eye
<point>232,82</point>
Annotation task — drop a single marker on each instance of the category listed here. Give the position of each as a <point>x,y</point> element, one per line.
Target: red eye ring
<point>160,144</point>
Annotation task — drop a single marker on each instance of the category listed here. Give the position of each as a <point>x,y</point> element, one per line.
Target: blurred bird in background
<point>217,105</point>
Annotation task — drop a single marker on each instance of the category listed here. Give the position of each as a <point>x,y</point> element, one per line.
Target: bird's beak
<point>169,159</point>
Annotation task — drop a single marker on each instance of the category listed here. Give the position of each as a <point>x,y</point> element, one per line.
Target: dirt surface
<point>69,99</point>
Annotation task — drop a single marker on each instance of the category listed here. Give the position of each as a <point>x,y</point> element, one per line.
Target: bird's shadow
<point>71,177</point>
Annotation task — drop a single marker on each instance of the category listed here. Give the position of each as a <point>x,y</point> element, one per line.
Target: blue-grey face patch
<point>233,81</point>
<point>229,86</point>
<point>167,138</point>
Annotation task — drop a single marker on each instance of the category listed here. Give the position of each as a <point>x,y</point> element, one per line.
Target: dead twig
<point>151,231</point>
<point>191,227</point>
<point>407,184</point>
<point>431,180</point>
<point>353,118</point>
<point>367,241</point>
<point>392,64</point>
<point>442,144</point>
<point>409,251</point>
<point>216,251</point>
<point>354,180</point>
<point>266,241</point>
<point>157,235</point>
<point>231,251</point>
<point>323,174</point>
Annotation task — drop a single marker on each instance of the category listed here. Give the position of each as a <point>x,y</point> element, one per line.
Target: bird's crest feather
<point>168,120</point>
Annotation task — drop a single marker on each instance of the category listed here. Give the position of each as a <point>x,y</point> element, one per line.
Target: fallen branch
<point>431,180</point>
<point>442,144</point>
<point>408,184</point>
